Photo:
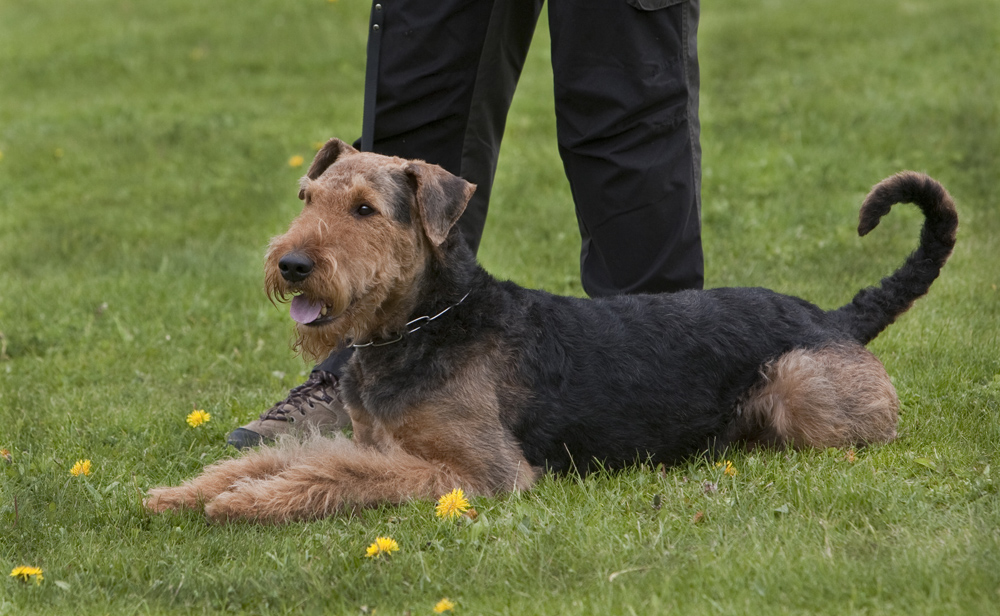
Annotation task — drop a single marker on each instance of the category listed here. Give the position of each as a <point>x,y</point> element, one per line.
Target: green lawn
<point>145,163</point>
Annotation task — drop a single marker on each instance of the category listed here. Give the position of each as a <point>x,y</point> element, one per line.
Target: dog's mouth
<point>311,312</point>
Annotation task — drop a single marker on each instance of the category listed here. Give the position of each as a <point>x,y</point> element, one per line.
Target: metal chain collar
<point>408,328</point>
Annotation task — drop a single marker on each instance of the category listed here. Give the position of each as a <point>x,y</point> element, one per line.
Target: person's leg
<point>626,87</point>
<point>440,78</point>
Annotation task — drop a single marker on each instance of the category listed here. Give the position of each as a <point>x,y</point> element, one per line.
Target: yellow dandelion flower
<point>5,454</point>
<point>444,605</point>
<point>82,467</point>
<point>729,469</point>
<point>296,161</point>
<point>451,505</point>
<point>26,573</point>
<point>196,418</point>
<point>382,545</point>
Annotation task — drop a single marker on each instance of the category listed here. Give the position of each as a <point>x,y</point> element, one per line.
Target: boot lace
<point>321,387</point>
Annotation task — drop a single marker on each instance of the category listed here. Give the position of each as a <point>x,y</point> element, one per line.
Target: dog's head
<point>353,260</point>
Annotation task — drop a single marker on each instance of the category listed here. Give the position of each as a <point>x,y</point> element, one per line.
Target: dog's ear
<point>328,154</point>
<point>441,198</point>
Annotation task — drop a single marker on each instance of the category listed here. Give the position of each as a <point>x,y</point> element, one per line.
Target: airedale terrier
<point>461,380</point>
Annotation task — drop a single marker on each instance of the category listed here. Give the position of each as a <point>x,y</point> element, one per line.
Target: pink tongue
<point>305,310</point>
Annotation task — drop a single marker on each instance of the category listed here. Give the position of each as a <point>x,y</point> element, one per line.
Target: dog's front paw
<point>159,500</point>
<point>234,506</point>
<point>247,506</point>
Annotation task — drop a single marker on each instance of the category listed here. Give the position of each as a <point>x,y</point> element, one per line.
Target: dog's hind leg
<point>337,474</point>
<point>836,396</point>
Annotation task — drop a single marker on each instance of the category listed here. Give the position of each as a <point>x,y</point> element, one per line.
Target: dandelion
<point>5,454</point>
<point>451,505</point>
<point>444,605</point>
<point>729,469</point>
<point>296,161</point>
<point>26,573</point>
<point>82,467</point>
<point>382,545</point>
<point>196,418</point>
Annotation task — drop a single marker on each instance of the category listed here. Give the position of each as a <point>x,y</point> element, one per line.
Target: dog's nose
<point>295,266</point>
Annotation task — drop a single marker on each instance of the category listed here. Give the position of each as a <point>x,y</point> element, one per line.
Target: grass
<point>145,150</point>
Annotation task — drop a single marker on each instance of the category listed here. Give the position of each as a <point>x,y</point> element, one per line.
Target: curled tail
<point>875,308</point>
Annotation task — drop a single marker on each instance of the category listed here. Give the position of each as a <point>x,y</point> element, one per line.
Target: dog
<point>460,380</point>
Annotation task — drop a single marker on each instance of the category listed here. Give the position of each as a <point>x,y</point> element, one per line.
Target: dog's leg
<point>833,397</point>
<point>221,477</point>
<point>338,473</point>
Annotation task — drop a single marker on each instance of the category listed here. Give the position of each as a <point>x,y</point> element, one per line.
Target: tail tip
<point>904,187</point>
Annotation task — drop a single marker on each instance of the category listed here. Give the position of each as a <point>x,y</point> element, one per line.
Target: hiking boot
<point>313,405</point>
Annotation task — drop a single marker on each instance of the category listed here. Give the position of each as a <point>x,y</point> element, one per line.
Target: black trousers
<point>441,75</point>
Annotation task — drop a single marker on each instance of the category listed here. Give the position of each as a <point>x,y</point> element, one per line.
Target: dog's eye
<point>364,210</point>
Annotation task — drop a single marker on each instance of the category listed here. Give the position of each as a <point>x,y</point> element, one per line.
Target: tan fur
<point>444,444</point>
<point>369,279</point>
<point>222,477</point>
<point>461,425</point>
<point>835,397</point>
<point>315,479</point>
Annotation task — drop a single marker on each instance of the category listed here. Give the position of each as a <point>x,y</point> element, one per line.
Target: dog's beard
<point>321,305</point>
<point>361,299</point>
<point>354,315</point>
<point>357,324</point>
